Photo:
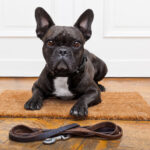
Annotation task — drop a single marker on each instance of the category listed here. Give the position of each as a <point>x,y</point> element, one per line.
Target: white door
<point>121,34</point>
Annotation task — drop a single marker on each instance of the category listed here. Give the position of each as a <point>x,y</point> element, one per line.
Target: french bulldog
<point>71,71</point>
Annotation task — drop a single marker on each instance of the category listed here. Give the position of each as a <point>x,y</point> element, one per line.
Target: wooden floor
<point>136,133</point>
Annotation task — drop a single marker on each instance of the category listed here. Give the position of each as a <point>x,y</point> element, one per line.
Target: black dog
<point>71,72</point>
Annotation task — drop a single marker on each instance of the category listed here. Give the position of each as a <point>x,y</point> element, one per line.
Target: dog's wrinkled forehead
<point>63,33</point>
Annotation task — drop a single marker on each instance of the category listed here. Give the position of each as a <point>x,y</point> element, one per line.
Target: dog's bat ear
<point>84,23</point>
<point>43,20</point>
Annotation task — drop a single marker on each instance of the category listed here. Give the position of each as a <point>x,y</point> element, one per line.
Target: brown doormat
<point>122,105</point>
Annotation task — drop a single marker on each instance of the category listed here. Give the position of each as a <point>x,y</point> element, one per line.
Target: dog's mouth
<point>61,65</point>
<point>61,68</point>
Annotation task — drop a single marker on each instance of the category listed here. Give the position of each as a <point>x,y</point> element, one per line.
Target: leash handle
<point>22,133</point>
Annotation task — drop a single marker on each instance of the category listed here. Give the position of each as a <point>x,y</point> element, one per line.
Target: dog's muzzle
<point>62,66</point>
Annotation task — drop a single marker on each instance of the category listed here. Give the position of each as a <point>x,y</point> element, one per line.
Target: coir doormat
<point>115,105</point>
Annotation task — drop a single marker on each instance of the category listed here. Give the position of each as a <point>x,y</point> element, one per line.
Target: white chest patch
<point>61,88</point>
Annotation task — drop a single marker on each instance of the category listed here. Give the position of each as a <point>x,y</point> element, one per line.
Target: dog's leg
<point>99,67</point>
<point>36,101</point>
<point>101,71</point>
<point>90,98</point>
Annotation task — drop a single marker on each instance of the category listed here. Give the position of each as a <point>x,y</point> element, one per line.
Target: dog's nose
<point>62,52</point>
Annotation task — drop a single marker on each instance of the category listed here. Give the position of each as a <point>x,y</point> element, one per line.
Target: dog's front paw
<point>79,110</point>
<point>33,104</point>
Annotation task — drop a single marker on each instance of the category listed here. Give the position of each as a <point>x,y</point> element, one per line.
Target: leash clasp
<point>56,138</point>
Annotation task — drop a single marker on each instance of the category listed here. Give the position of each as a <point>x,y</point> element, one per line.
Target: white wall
<point>121,34</point>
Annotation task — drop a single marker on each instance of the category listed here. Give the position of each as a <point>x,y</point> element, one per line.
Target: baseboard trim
<point>128,68</point>
<point>21,68</point>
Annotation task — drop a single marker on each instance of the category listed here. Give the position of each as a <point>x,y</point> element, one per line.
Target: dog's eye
<point>50,43</point>
<point>76,44</point>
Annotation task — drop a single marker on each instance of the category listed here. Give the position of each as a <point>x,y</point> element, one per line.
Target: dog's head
<point>63,46</point>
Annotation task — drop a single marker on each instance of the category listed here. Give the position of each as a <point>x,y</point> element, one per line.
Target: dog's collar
<point>82,65</point>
